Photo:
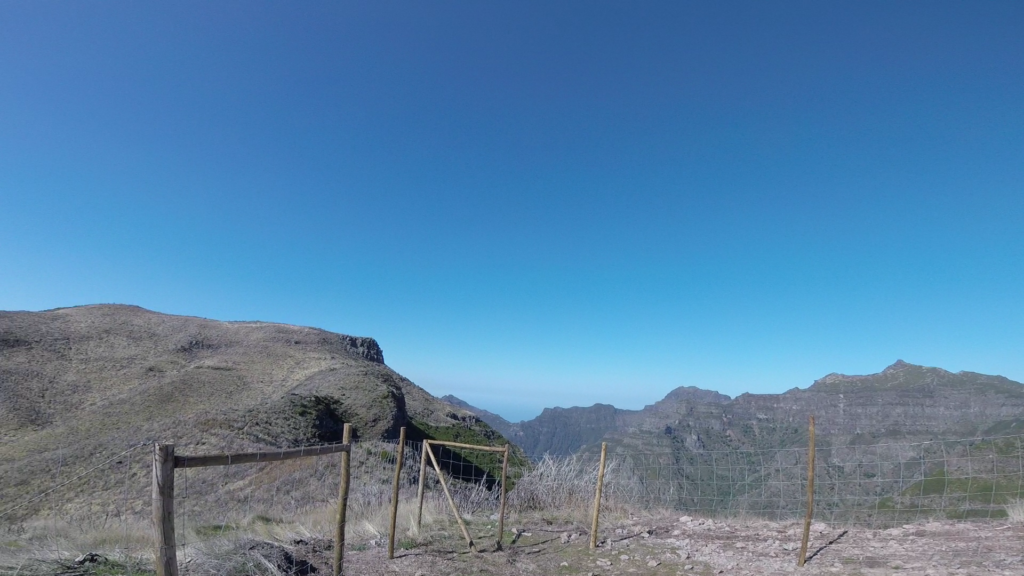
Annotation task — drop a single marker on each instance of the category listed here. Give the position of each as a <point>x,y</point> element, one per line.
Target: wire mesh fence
<point>221,512</point>
<point>876,486</point>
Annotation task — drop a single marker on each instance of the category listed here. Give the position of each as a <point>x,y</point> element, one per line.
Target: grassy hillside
<point>78,383</point>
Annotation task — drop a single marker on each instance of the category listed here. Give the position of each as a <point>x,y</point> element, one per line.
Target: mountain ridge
<point>904,402</point>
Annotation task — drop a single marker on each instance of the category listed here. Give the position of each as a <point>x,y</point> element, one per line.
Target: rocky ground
<point>663,546</point>
<point>684,546</point>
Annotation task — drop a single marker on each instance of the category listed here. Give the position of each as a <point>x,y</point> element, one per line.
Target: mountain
<point>89,380</point>
<point>904,402</point>
<point>492,419</point>
<point>876,446</point>
<point>556,431</point>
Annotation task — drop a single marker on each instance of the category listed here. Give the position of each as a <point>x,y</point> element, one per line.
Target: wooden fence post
<point>423,479</point>
<point>810,498</point>
<point>339,531</point>
<point>504,491</point>
<point>163,509</point>
<point>394,492</point>
<point>597,497</point>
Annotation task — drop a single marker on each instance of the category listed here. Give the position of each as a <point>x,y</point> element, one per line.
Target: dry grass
<point>1015,512</point>
<point>47,547</point>
<point>39,546</point>
<point>565,488</point>
<point>561,484</point>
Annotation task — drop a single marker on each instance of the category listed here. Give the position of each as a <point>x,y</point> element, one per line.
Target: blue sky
<point>533,204</point>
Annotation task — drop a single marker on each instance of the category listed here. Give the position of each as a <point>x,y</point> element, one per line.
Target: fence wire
<point>53,512</point>
<point>77,508</point>
<point>876,486</point>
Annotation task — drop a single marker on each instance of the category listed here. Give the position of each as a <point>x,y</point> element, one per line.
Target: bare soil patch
<point>650,546</point>
<point>682,546</point>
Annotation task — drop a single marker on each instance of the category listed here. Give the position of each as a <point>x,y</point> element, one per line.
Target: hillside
<point>904,402</point>
<point>91,380</point>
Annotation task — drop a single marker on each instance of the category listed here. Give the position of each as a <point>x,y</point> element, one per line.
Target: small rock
<point>604,562</point>
<point>653,563</point>
<point>564,538</point>
<point>566,564</point>
<point>89,558</point>
<point>688,567</point>
<point>685,519</point>
<point>623,557</point>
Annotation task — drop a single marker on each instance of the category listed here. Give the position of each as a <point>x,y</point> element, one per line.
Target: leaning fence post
<point>339,529</point>
<point>504,491</point>
<point>810,498</point>
<point>163,509</point>
<point>394,492</point>
<point>597,496</point>
<point>423,479</point>
<point>451,501</point>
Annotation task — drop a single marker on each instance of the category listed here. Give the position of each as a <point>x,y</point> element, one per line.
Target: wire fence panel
<point>895,484</point>
<point>53,512</point>
<point>474,477</point>
<point>877,486</point>
<point>76,510</point>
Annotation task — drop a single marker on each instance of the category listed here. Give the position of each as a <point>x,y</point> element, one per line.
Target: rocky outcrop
<point>506,428</point>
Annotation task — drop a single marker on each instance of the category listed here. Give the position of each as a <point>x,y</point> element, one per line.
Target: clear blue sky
<point>533,204</point>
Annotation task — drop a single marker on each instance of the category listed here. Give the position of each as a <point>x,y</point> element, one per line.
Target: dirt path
<point>683,546</point>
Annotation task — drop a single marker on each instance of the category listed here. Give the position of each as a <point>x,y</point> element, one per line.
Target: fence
<point>874,486</point>
<point>47,527</point>
<point>165,462</point>
<point>222,513</point>
<point>105,506</point>
<point>428,452</point>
